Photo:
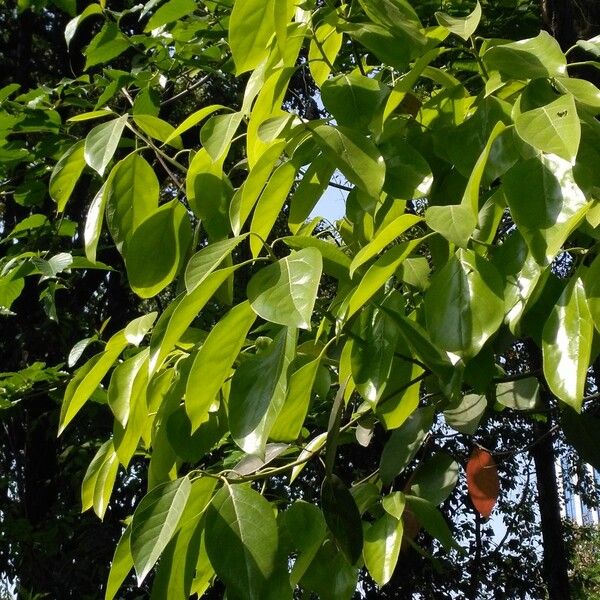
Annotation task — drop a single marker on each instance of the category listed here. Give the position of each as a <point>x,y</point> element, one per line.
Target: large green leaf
<point>106,45</point>
<point>178,561</point>
<point>65,175</point>
<point>540,56</point>
<point>155,251</point>
<point>567,345</point>
<point>324,48</point>
<point>241,540</point>
<point>342,517</point>
<point>383,540</point>
<point>435,479</point>
<point>545,202</point>
<point>251,26</point>
<point>431,519</point>
<point>169,12</point>
<point>132,196</point>
<point>404,443</point>
<point>455,223</point>
<point>285,292</point>
<point>353,99</point>
<point>155,521</point>
<point>554,128</point>
<point>101,143</point>
<point>354,155</point>
<point>120,389</point>
<point>213,363</point>
<point>258,391</point>
<point>466,414</point>
<point>464,306</point>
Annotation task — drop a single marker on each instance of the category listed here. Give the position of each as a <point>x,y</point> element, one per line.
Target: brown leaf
<point>482,481</point>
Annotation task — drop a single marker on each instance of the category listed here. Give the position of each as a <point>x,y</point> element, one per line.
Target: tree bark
<point>555,565</point>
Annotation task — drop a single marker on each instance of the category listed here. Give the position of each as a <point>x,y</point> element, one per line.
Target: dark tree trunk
<point>555,566</point>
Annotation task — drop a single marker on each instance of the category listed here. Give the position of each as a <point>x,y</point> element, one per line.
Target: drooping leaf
<point>121,565</point>
<point>213,362</point>
<point>383,540</point>
<point>567,345</point>
<point>241,521</point>
<point>463,27</point>
<point>258,391</point>
<point>466,414</point>
<point>66,174</point>
<point>155,521</point>
<point>435,479</point>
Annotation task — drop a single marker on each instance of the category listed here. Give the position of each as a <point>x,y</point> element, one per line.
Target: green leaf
<point>581,431</point>
<point>304,525</point>
<point>65,175</point>
<point>120,566</point>
<point>311,449</point>
<point>285,292</point>
<point>258,391</point>
<point>241,521</point>
<point>120,389</point>
<point>342,517</point>
<point>354,155</point>
<point>136,330</point>
<point>373,349</point>
<point>324,48</point>
<point>132,196</point>
<point>455,223</point>
<point>379,272</point>
<point>173,10</point>
<point>269,205</point>
<point>179,559</point>
<point>463,27</point>
<point>156,249</point>
<point>522,394</point>
<point>207,260</point>
<point>87,378</point>
<point>158,129</point>
<point>179,315</point>
<point>432,520</point>
<point>353,100</point>
<point>395,14</point>
<point>290,420</point>
<point>404,443</point>
<point>464,305</point>
<point>99,479</point>
<point>435,479</point>
<point>584,92</point>
<point>540,56</point>
<point>545,202</point>
<point>93,222</point>
<point>212,365</point>
<point>567,345</point>
<point>101,143</point>
<point>217,133</point>
<point>554,128</point>
<point>466,414</point>
<point>335,262</point>
<point>251,26</point>
<point>383,540</point>
<point>193,120</point>
<point>383,238</point>
<point>155,521</point>
<point>394,504</point>
<point>407,174</point>
<point>106,45</point>
<point>73,24</point>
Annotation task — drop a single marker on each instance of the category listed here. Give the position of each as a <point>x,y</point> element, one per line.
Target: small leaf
<point>155,521</point>
<point>435,479</point>
<point>465,415</point>
<point>101,143</point>
<point>217,133</point>
<point>482,481</point>
<point>65,175</point>
<point>522,394</point>
<point>463,27</point>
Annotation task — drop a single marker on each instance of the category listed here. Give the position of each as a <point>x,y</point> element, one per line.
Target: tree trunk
<point>555,564</point>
